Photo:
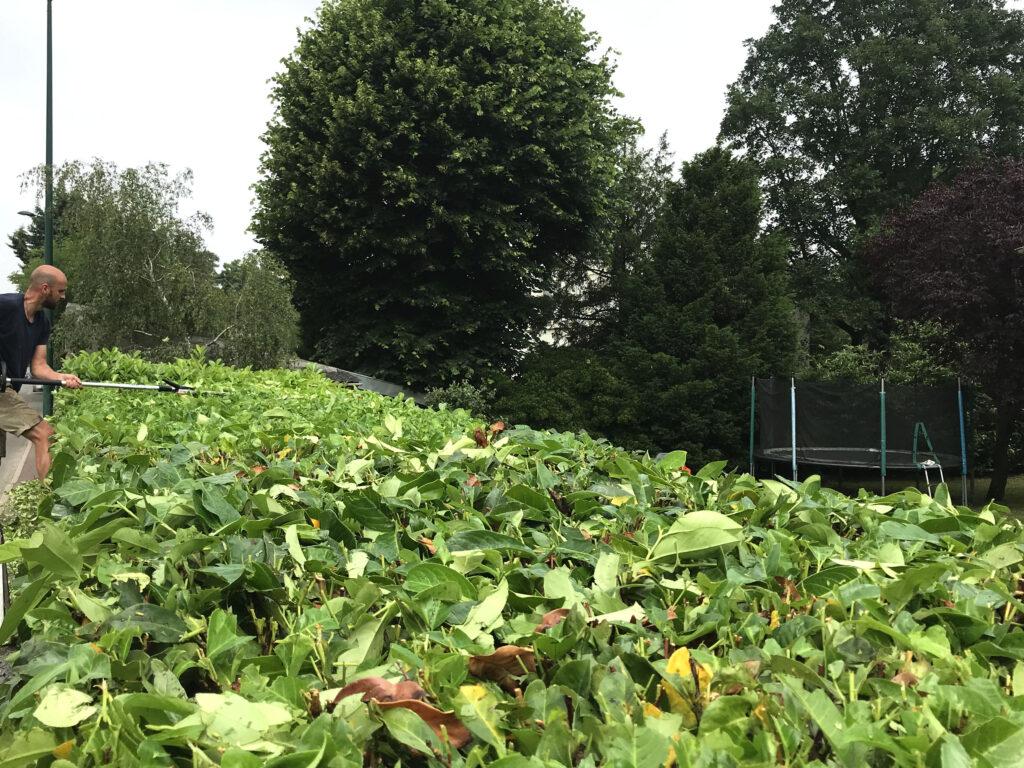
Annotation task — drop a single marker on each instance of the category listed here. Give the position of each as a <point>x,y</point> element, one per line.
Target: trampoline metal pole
<point>963,442</point>
<point>792,421</point>
<point>752,401</point>
<point>881,397</point>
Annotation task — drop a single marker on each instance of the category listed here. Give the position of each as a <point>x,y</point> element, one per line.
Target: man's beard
<point>51,302</point>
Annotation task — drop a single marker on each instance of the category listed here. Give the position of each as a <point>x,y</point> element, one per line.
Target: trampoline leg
<point>792,415</point>
<point>882,464</point>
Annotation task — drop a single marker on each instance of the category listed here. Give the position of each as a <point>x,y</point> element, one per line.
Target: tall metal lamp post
<point>48,204</point>
<point>48,188</point>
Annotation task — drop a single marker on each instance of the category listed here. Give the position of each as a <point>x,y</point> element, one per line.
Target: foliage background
<point>429,167</point>
<point>458,205</point>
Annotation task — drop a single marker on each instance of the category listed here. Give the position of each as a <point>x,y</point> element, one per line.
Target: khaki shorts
<point>16,415</point>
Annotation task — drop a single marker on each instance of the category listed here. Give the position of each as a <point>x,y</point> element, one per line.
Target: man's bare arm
<point>42,370</point>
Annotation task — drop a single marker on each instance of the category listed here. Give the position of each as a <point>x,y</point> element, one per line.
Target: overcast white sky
<point>185,83</point>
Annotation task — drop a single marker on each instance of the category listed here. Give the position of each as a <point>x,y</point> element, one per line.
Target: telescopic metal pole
<point>168,387</point>
<point>48,202</point>
<point>165,386</point>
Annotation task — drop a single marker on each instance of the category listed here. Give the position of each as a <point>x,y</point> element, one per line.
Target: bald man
<point>24,331</point>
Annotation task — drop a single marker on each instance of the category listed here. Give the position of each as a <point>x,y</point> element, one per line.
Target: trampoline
<point>870,426</point>
<point>868,458</point>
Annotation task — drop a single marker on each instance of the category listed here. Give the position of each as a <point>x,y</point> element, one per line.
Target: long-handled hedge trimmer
<point>165,386</point>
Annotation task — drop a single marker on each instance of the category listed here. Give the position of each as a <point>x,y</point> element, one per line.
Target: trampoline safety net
<point>840,424</point>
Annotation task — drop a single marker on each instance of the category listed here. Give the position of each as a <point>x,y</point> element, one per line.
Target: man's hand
<point>70,381</point>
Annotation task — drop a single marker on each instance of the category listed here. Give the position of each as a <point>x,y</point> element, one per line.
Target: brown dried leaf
<point>905,677</point>
<point>429,545</point>
<point>473,481</point>
<point>497,427</point>
<point>551,618</point>
<point>458,734</point>
<point>406,694</point>
<point>504,665</point>
<point>379,689</point>
<point>790,594</point>
<point>258,469</point>
<point>481,437</point>
<point>315,708</point>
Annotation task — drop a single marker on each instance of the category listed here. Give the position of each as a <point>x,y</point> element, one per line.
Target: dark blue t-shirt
<point>18,337</point>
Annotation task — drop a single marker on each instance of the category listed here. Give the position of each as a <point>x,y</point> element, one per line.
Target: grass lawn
<point>1014,493</point>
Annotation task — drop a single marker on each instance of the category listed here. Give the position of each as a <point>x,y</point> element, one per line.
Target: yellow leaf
<point>679,705</point>
<point>761,713</point>
<point>679,663</point>
<point>473,693</point>
<point>704,676</point>
<point>483,707</point>
<point>314,522</point>
<point>61,751</point>
<point>283,452</point>
<point>671,759</point>
<point>618,501</point>
<point>650,710</point>
<point>775,620</point>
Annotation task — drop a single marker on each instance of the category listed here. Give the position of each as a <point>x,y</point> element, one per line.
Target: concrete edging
<point>16,467</point>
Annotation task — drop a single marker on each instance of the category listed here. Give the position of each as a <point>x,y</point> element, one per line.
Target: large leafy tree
<point>955,256</point>
<point>853,107</point>
<point>710,308</point>
<point>590,284</point>
<point>260,325</point>
<point>706,308</point>
<point>27,240</point>
<point>429,165</point>
<point>140,270</point>
<point>140,275</point>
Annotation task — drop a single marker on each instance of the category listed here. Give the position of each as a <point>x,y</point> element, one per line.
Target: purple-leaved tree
<point>956,255</point>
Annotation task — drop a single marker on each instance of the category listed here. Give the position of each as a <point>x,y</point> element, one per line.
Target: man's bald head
<point>47,274</point>
<point>50,283</point>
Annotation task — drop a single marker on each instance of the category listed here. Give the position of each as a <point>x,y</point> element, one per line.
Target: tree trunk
<point>1005,417</point>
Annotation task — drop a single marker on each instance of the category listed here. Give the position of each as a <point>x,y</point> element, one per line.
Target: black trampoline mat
<point>856,457</point>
